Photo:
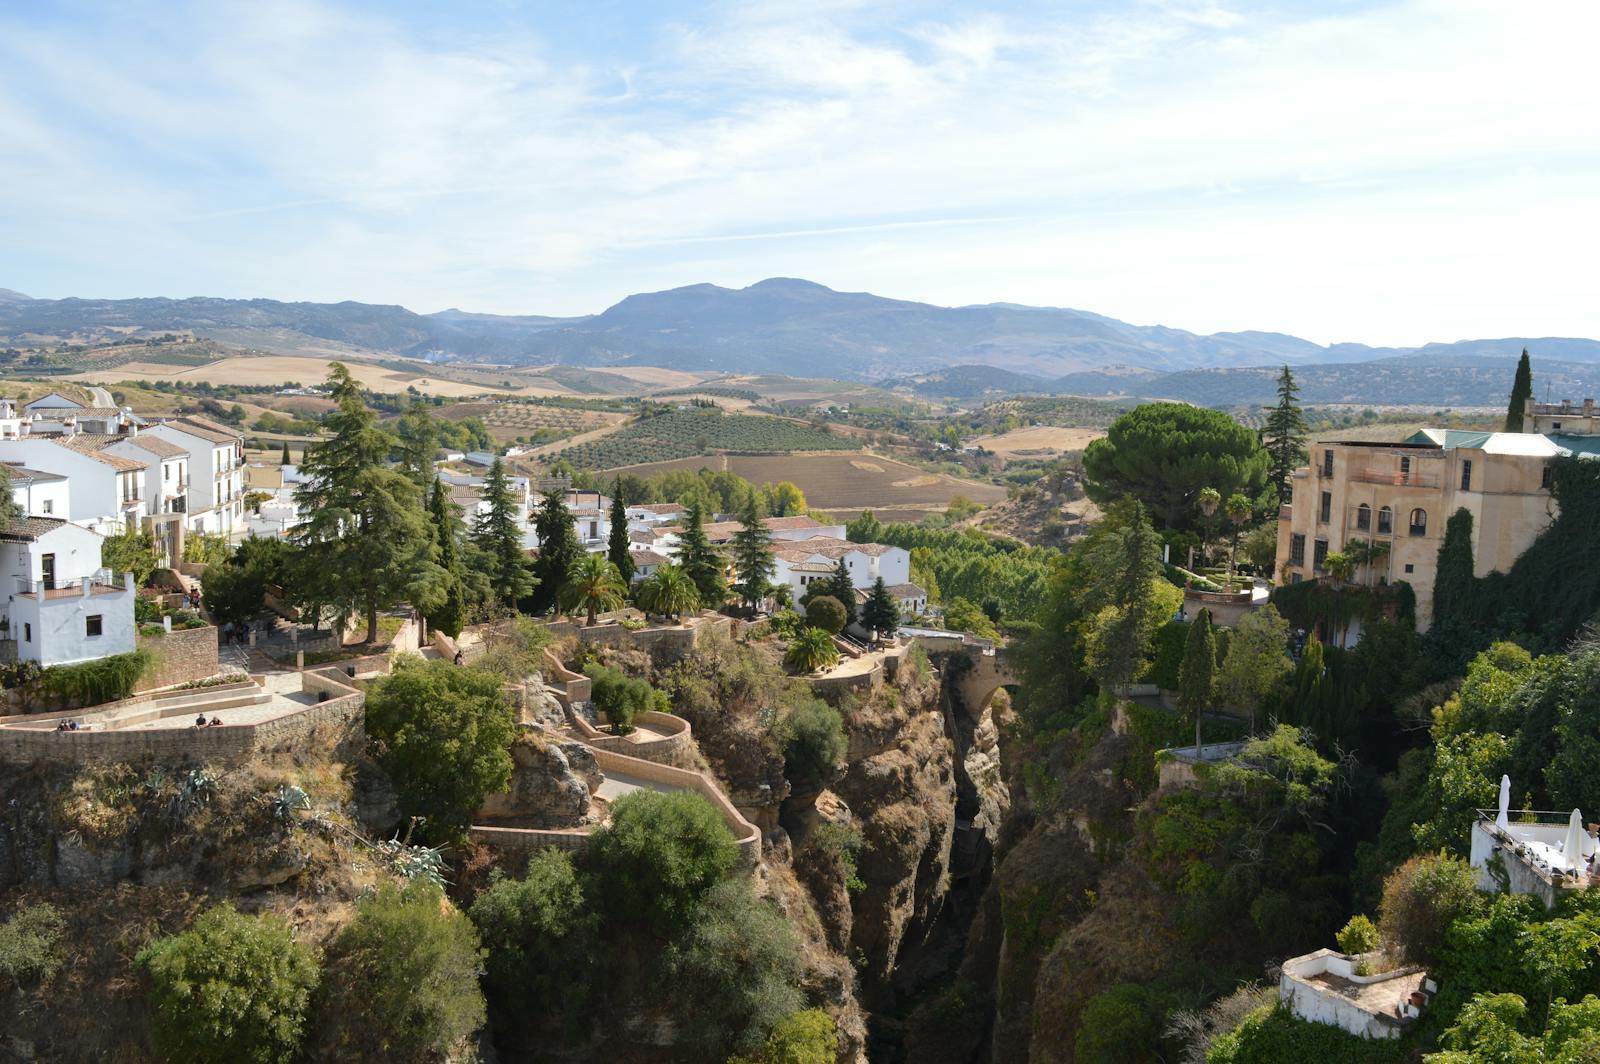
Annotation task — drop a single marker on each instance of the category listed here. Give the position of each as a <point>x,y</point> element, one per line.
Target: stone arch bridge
<point>975,668</point>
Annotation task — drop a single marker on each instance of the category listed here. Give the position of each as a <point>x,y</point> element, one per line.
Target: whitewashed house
<point>104,488</point>
<point>216,473</point>
<point>60,604</point>
<point>799,564</point>
<point>37,493</point>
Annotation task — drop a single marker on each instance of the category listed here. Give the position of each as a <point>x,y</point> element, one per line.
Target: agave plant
<point>288,801</point>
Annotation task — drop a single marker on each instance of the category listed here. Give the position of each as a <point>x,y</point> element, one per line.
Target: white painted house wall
<point>52,629</point>
<point>43,498</point>
<point>94,498</point>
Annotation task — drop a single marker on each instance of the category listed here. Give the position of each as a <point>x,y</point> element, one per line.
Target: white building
<point>37,493</point>
<point>645,561</point>
<point>216,473</point>
<point>1543,854</point>
<point>1328,988</point>
<point>61,606</point>
<point>103,492</point>
<point>801,563</point>
<point>13,422</point>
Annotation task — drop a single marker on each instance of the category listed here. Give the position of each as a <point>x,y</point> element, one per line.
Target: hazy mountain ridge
<point>777,325</point>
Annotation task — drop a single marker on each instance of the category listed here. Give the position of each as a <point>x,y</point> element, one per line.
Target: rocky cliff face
<point>551,784</point>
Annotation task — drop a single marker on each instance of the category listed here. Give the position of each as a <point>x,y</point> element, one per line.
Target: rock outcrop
<point>551,784</point>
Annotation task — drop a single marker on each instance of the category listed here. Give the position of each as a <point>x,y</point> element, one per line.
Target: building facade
<point>61,606</point>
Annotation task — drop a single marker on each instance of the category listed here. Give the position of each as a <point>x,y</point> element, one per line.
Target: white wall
<point>93,497</point>
<point>49,498</point>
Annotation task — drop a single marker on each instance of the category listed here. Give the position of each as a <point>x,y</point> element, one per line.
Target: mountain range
<point>780,325</point>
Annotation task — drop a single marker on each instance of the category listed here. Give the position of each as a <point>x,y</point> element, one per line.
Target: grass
<point>701,431</point>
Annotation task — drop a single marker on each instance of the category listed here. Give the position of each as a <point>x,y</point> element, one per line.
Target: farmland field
<point>700,431</point>
<point>1037,441</point>
<point>843,481</point>
<point>537,423</point>
<point>281,369</point>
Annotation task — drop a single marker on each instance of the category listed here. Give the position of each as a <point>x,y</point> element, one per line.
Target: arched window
<point>1419,522</point>
<point>1385,521</point>
<point>1363,517</point>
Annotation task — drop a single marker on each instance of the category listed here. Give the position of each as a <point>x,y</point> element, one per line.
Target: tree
<point>451,612</point>
<point>593,584</point>
<point>701,561</point>
<point>231,988</point>
<point>785,499</point>
<point>1454,583</point>
<point>1198,671</point>
<point>498,535</point>
<point>401,979</point>
<point>418,442</point>
<point>441,733</point>
<point>617,545</point>
<point>1521,392</point>
<point>1284,435</point>
<point>669,591</point>
<point>365,544</point>
<point>839,585</point>
<point>231,593</point>
<point>809,651</point>
<point>1256,662</point>
<point>30,944</point>
<point>622,697</point>
<point>880,614</point>
<point>1163,454</point>
<point>9,510</point>
<point>284,459</point>
<point>752,557</point>
<point>1421,899</point>
<point>963,615</point>
<point>657,858</point>
<point>827,613</point>
<point>558,550</point>
<point>133,550</point>
<point>814,744</point>
<point>806,1037</point>
<point>1118,594</point>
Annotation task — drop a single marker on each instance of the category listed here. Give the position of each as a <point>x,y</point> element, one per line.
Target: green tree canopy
<point>812,649</point>
<point>827,613</point>
<point>617,542</point>
<point>1257,660</point>
<point>1521,392</point>
<point>1284,436</point>
<point>658,857</point>
<point>592,585</point>
<point>753,561</point>
<point>880,614</point>
<point>1163,454</point>
<point>1197,674</point>
<point>559,550</point>
<point>700,560</point>
<point>417,442</point>
<point>497,533</point>
<point>669,591</point>
<point>443,518</point>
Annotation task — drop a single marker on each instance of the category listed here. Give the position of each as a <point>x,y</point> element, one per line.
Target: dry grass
<point>280,369</point>
<point>1038,441</point>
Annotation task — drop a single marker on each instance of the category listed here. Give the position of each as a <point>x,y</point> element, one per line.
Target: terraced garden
<point>701,431</point>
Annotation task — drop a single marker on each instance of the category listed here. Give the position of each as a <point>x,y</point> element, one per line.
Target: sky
<point>1388,173</point>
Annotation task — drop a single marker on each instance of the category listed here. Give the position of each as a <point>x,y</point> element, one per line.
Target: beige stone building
<point>1403,493</point>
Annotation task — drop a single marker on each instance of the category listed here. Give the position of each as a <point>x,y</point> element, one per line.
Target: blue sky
<point>1381,172</point>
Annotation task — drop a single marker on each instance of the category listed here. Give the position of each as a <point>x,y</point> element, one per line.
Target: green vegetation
<point>30,944</point>
<point>1521,392</point>
<point>702,563</point>
<point>683,433</point>
<point>498,539</point>
<point>810,651</point>
<point>827,613</point>
<point>441,733</point>
<point>622,697</point>
<point>1272,1036</point>
<point>1284,436</point>
<point>806,1037</point>
<point>992,571</point>
<point>751,554</point>
<point>559,551</point>
<point>814,744</point>
<point>93,682</point>
<point>1358,936</point>
<point>593,585</point>
<point>231,988</point>
<point>658,857</point>
<point>668,591</point>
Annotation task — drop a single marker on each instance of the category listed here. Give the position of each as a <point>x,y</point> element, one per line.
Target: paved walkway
<point>617,784</point>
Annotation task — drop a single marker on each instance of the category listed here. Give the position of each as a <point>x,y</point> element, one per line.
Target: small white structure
<point>802,562</point>
<point>60,605</point>
<point>1543,854</point>
<point>1324,987</point>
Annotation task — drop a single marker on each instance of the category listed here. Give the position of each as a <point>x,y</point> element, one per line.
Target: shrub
<point>813,743</point>
<point>1119,1026</point>
<point>806,1037</point>
<point>622,697</point>
<point>1421,899</point>
<point>231,988</point>
<point>1360,935</point>
<point>809,651</point>
<point>658,857</point>
<point>89,683</point>
<point>30,944</point>
<point>740,954</point>
<point>402,979</point>
<point>442,733</point>
<point>1272,1036</point>
<point>827,613</point>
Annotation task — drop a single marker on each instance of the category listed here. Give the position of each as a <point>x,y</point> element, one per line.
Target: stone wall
<point>834,688</point>
<point>179,656</point>
<point>674,748</point>
<point>667,643</point>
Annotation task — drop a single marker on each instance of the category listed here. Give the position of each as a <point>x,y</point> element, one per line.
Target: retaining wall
<point>674,748</point>
<point>178,657</point>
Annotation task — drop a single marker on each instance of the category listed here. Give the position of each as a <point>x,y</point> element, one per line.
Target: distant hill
<point>780,325</point>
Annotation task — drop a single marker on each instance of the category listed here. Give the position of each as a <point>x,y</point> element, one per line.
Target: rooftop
<point>27,529</point>
<point>93,444</point>
<point>154,445</point>
<point>21,473</point>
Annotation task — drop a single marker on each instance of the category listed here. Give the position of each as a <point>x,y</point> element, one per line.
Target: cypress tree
<point>496,534</point>
<point>880,613</point>
<point>617,544</point>
<point>752,556</point>
<point>1521,392</point>
<point>418,442</point>
<point>701,560</point>
<point>1453,581</point>
<point>1284,436</point>
<point>285,459</point>
<point>558,550</point>
<point>1198,671</point>
<point>452,613</point>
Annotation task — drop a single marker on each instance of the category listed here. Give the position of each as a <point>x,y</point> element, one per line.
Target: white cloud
<point>1394,173</point>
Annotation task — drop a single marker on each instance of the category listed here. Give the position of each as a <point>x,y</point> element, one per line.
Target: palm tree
<point>669,591</point>
<point>1239,511</point>
<point>811,650</point>
<point>595,584</point>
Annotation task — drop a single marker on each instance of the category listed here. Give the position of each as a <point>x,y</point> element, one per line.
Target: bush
<point>232,988</point>
<point>442,733</point>
<point>813,743</point>
<point>1120,1026</point>
<point>738,953</point>
<point>1421,899</point>
<point>622,697</point>
<point>30,944</point>
<point>827,613</point>
<point>402,979</point>
<point>658,857</point>
<point>806,1037</point>
<point>538,933</point>
<point>809,651</point>
<point>1360,935</point>
<point>1272,1036</point>
<point>90,683</point>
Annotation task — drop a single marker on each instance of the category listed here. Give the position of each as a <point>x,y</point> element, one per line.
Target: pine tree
<point>1197,672</point>
<point>285,459</point>
<point>559,549</point>
<point>418,442</point>
<point>1521,392</point>
<point>365,544</point>
<point>701,560</point>
<point>497,534</point>
<point>752,557</point>
<point>449,616</point>
<point>880,615</point>
<point>617,545</point>
<point>1285,436</point>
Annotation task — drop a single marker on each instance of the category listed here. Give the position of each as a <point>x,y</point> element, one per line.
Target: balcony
<point>1395,479</point>
<point>101,582</point>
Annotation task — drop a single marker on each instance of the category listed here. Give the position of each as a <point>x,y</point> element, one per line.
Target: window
<point>1466,474</point>
<point>1319,554</point>
<point>91,625</point>
<point>1297,549</point>
<point>1363,517</point>
<point>1385,522</point>
<point>1555,426</point>
<point>1325,508</point>
<point>1405,470</point>
<point>1546,477</point>
<point>1327,463</point>
<point>1419,522</point>
<point>27,633</point>
<point>1410,568</point>
<point>48,506</point>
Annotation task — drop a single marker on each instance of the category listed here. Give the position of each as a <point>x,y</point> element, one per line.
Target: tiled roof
<point>155,445</point>
<point>661,508</point>
<point>810,567</point>
<point>829,547</point>
<point>204,429</point>
<point>648,557</point>
<point>25,529</point>
<point>906,591</point>
<point>89,444</point>
<point>24,474</point>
